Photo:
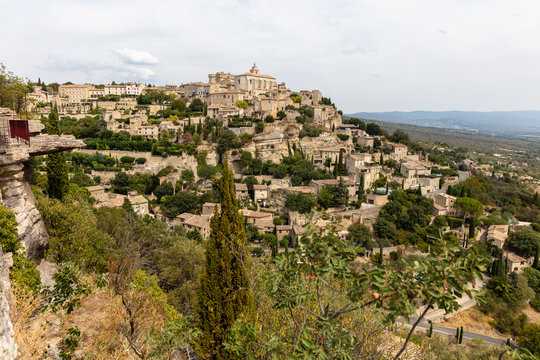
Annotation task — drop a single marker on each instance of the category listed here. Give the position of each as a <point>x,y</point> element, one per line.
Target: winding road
<point>466,334</point>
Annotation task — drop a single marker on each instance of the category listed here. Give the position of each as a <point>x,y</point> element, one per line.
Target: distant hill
<point>494,122</point>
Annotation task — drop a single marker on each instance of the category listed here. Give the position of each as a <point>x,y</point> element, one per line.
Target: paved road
<point>466,334</point>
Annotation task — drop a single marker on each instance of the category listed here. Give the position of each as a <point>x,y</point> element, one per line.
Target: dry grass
<point>473,320</point>
<point>533,315</point>
<point>99,318</point>
<point>32,328</point>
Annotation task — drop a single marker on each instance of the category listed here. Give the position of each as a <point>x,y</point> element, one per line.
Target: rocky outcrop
<point>15,192</point>
<point>8,348</point>
<point>16,195</point>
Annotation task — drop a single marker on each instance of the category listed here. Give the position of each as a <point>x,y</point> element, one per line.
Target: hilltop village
<point>161,154</point>
<point>267,123</point>
<point>290,151</point>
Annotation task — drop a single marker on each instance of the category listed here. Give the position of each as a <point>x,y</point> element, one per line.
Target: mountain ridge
<point>488,122</point>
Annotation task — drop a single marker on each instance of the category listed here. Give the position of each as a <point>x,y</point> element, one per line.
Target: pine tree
<point>224,293</point>
<point>55,165</point>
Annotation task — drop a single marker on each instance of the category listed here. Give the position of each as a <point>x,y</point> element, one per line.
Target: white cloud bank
<point>136,57</point>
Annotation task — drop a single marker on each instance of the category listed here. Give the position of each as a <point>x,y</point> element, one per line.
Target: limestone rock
<point>8,348</point>
<point>15,192</point>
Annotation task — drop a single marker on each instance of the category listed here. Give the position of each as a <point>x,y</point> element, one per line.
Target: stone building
<point>75,93</point>
<point>254,82</point>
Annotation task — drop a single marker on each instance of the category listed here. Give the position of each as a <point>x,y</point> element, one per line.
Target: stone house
<point>208,208</point>
<point>414,169</point>
<point>241,191</point>
<point>282,231</point>
<point>260,193</point>
<point>252,216</point>
<point>443,204</point>
<point>376,199</point>
<point>194,222</point>
<point>399,151</point>
<point>516,263</point>
<point>319,184</point>
<point>497,235</point>
<point>139,204</point>
<point>98,193</point>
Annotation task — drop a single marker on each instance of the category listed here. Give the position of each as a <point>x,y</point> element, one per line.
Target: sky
<point>378,55</point>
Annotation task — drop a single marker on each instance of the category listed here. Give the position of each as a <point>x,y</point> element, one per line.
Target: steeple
<point>254,69</point>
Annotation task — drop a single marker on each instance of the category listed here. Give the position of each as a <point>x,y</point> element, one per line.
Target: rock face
<point>16,195</point>
<point>8,348</point>
<point>15,192</point>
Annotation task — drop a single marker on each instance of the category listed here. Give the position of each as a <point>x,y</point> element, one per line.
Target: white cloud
<point>365,55</point>
<point>136,57</point>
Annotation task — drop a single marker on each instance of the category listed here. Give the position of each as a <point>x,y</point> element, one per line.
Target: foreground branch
<point>412,329</point>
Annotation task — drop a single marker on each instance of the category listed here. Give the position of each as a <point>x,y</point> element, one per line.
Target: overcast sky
<point>378,55</point>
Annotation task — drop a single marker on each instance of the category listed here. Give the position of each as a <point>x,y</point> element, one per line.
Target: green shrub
<point>455,223</point>
<point>257,251</point>
<point>343,137</point>
<point>24,271</point>
<point>127,159</point>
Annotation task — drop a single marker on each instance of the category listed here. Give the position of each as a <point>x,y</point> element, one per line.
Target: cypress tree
<point>381,160</point>
<point>461,335</point>
<point>361,189</point>
<point>340,162</point>
<point>471,228</point>
<point>457,335</point>
<point>224,292</point>
<point>536,255</point>
<point>430,333</point>
<point>55,165</point>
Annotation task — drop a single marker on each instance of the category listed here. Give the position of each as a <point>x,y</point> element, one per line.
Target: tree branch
<point>412,329</point>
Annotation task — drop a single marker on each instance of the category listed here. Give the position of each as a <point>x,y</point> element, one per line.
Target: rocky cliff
<point>15,192</point>
<point>8,348</point>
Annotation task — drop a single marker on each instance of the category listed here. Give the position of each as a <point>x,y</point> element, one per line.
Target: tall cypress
<point>471,228</point>
<point>536,255</point>
<point>224,292</point>
<point>340,162</point>
<point>361,189</point>
<point>55,165</point>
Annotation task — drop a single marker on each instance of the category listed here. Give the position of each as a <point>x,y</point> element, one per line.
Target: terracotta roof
<point>283,227</point>
<point>333,182</point>
<point>240,187</point>
<point>138,199</point>
<point>95,188</point>
<point>198,221</point>
<point>255,214</point>
<point>257,75</point>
